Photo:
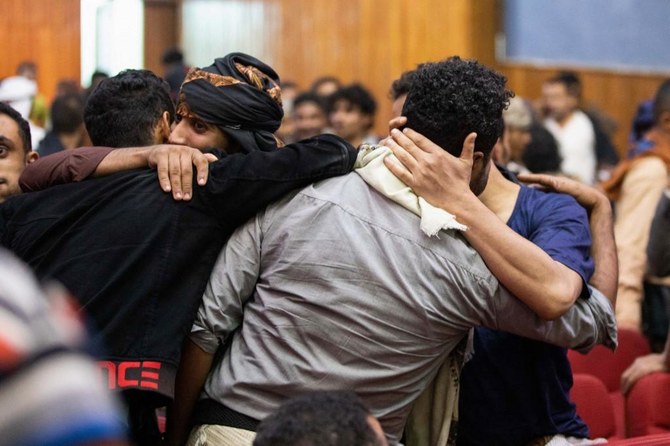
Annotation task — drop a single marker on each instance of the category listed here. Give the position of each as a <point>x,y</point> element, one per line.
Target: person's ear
<point>31,157</point>
<point>478,159</point>
<point>162,130</point>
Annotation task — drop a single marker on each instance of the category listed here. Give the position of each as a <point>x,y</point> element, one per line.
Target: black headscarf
<point>240,95</point>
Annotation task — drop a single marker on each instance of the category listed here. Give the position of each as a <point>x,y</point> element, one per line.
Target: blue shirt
<point>515,389</point>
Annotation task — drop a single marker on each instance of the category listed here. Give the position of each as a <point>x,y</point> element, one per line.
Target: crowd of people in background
<point>299,255</point>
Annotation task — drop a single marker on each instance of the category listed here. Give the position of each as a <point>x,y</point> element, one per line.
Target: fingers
<point>421,142</point>
<point>162,167</point>
<point>175,169</point>
<point>202,167</point>
<point>174,173</point>
<point>404,149</point>
<point>398,122</point>
<point>398,170</point>
<point>543,180</point>
<point>632,375</point>
<point>186,175</point>
<point>626,382</point>
<point>468,151</point>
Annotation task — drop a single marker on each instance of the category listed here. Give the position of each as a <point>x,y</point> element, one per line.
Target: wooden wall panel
<point>46,32</point>
<point>160,31</point>
<point>617,94</point>
<point>374,41</point>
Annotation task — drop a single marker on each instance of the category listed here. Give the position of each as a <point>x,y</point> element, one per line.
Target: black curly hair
<point>454,97</point>
<point>123,110</point>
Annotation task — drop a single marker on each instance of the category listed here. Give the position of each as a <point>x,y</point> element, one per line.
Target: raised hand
<point>429,170</point>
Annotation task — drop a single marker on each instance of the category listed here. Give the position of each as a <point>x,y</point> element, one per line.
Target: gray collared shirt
<point>336,287</point>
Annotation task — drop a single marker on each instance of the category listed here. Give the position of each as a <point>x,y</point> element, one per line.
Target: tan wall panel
<point>46,32</point>
<point>617,94</point>
<point>160,32</point>
<point>374,41</point>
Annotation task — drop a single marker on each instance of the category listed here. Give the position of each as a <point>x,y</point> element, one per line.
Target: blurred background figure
<point>174,70</point>
<point>18,92</point>
<point>310,116</point>
<point>38,110</point>
<point>541,154</point>
<point>67,87</point>
<point>325,86</point>
<point>643,121</point>
<point>352,114</point>
<point>67,125</point>
<point>50,391</point>
<point>96,78</point>
<point>516,134</point>
<point>636,186</point>
<point>583,135</point>
<point>321,419</point>
<point>570,126</point>
<point>289,91</point>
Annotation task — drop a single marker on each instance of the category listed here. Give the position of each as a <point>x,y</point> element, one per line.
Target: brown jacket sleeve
<point>63,167</point>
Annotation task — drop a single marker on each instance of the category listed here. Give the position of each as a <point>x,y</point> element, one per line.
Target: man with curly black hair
<point>336,287</point>
<point>515,390</point>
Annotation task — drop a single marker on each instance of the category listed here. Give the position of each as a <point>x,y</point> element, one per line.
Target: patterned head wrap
<point>240,95</point>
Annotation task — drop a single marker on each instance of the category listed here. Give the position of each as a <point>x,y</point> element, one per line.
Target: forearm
<point>548,287</point>
<point>193,370</point>
<point>62,167</point>
<point>123,159</point>
<point>603,249</point>
<point>587,323</point>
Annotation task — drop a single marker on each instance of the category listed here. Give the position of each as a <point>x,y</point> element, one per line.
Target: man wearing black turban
<point>240,96</point>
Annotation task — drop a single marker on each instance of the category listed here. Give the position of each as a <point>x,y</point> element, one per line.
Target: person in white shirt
<point>571,127</point>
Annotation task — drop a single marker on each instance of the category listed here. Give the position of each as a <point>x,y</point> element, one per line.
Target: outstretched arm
<point>548,287</point>
<point>601,223</point>
<point>174,164</point>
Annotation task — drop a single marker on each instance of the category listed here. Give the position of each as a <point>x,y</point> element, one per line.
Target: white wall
<point>112,36</point>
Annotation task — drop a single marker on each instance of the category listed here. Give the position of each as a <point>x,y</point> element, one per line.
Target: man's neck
<point>563,121</point>
<point>500,194</point>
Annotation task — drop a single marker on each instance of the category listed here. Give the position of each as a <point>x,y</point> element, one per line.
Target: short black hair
<point>171,56</point>
<point>454,97</point>
<point>98,74</point>
<point>123,110</point>
<point>571,82</point>
<point>312,98</point>
<point>358,96</point>
<point>67,113</point>
<point>402,85</point>
<point>24,127</point>
<point>318,419</point>
<point>662,100</point>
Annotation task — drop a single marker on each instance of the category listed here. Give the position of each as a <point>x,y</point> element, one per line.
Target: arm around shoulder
<point>62,167</point>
